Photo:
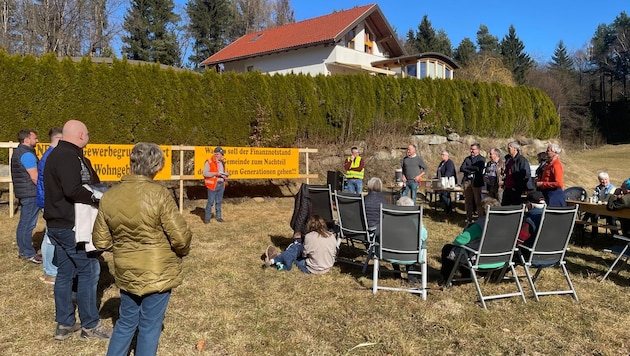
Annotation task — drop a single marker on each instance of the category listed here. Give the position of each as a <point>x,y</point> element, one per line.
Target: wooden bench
<point>582,224</point>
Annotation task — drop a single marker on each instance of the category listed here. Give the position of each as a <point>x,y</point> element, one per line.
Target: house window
<point>431,69</point>
<point>349,39</point>
<point>448,73</point>
<point>368,42</point>
<point>250,68</point>
<point>412,70</point>
<point>439,70</point>
<point>423,70</point>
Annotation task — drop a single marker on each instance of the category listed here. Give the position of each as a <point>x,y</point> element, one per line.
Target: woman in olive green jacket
<point>139,222</point>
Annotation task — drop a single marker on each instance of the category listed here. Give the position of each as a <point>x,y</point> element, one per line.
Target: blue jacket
<point>40,177</point>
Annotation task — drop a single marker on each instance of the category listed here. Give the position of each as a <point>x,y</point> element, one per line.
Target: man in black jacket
<point>517,175</point>
<point>473,167</point>
<point>65,173</point>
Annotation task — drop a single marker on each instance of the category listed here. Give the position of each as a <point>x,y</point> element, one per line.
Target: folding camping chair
<point>321,204</point>
<point>623,253</point>
<point>550,247</point>
<point>400,242</point>
<point>353,225</point>
<point>495,251</point>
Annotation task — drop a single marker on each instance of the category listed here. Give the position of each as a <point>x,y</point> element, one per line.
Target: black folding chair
<point>353,227</point>
<point>495,251</point>
<point>550,247</point>
<point>400,242</point>
<point>320,197</point>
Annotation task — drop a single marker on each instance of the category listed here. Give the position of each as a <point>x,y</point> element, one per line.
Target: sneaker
<point>280,266</point>
<point>63,332</point>
<point>48,279</point>
<point>100,331</point>
<point>36,259</point>
<point>220,220</point>
<point>270,254</point>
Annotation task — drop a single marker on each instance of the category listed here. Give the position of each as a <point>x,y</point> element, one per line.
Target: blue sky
<point>539,24</point>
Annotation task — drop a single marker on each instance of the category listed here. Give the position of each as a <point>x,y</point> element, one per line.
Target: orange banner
<point>252,162</point>
<point>111,162</point>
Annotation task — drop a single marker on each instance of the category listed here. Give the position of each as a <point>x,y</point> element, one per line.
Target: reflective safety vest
<point>211,182</point>
<point>350,174</point>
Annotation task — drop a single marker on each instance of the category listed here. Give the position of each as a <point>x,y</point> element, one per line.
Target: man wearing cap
<point>215,178</point>
<point>531,221</point>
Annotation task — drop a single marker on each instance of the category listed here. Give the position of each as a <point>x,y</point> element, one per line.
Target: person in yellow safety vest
<point>355,169</point>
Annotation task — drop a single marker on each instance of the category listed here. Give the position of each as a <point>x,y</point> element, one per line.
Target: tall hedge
<point>124,103</point>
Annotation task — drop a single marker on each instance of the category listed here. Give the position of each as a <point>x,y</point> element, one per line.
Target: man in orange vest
<point>215,180</point>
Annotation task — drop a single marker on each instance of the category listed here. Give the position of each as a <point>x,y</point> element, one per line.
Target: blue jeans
<point>290,255</point>
<point>29,212</point>
<point>215,197</point>
<point>301,263</point>
<point>143,313</point>
<point>413,187</point>
<point>355,185</point>
<point>446,199</point>
<point>48,253</point>
<point>72,261</point>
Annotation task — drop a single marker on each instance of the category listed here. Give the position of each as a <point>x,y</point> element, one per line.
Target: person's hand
<point>404,179</point>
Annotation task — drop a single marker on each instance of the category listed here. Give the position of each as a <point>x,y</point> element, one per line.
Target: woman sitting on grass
<point>316,254</point>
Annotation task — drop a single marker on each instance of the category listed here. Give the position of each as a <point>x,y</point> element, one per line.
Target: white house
<point>358,40</point>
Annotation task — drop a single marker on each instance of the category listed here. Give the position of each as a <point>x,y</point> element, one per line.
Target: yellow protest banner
<point>111,162</point>
<point>252,162</point>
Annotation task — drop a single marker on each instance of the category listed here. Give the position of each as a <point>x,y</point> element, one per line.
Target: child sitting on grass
<point>316,254</point>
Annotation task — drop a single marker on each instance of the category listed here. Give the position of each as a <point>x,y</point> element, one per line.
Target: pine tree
<point>442,44</point>
<point>427,40</point>
<point>514,57</point>
<point>209,24</point>
<point>465,52</point>
<point>425,36</point>
<point>486,42</point>
<point>150,27</point>
<point>560,59</point>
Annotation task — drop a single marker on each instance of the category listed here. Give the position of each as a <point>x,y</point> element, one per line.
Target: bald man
<point>65,173</point>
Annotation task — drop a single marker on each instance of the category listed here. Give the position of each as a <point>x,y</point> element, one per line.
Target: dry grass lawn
<point>238,308</point>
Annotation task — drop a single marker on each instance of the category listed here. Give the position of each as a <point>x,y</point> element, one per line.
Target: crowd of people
<point>137,220</point>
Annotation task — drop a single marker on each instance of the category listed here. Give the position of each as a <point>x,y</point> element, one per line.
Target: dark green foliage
<point>561,59</point>
<point>514,57</point>
<point>125,103</point>
<point>465,52</point>
<point>427,40</point>
<point>209,21</point>
<point>150,32</point>
<point>486,42</point>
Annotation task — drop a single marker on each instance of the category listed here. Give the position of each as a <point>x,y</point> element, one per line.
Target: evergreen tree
<point>442,44</point>
<point>427,40</point>
<point>209,24</point>
<point>465,52</point>
<point>514,57</point>
<point>560,59</point>
<point>425,36</point>
<point>486,42</point>
<point>150,27</point>
<point>410,43</point>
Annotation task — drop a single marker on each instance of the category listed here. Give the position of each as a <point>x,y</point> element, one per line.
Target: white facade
<point>324,60</point>
<point>321,59</point>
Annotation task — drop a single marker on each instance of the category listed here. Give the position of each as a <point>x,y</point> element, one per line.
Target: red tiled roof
<point>313,31</point>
